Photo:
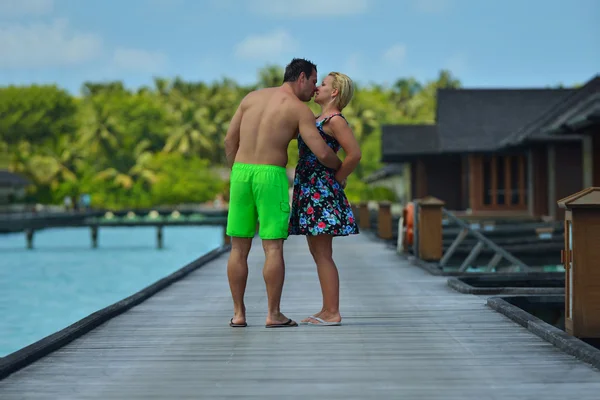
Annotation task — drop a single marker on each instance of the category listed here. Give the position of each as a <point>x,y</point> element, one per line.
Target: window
<point>504,180</point>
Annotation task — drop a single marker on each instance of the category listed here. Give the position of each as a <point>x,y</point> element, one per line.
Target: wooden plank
<point>406,335</point>
<point>457,241</point>
<point>494,261</point>
<point>471,257</point>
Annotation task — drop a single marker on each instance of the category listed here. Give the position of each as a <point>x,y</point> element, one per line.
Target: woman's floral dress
<point>319,204</point>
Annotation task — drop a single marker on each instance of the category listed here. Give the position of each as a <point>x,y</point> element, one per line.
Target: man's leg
<point>274,274</point>
<point>271,195</point>
<point>237,273</point>
<point>241,226</point>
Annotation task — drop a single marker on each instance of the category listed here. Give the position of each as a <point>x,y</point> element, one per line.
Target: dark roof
<point>384,172</point>
<point>484,120</point>
<point>471,120</point>
<point>408,140</point>
<point>11,179</point>
<point>555,115</point>
<point>583,114</point>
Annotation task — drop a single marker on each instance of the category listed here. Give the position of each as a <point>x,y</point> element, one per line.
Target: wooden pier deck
<point>406,335</point>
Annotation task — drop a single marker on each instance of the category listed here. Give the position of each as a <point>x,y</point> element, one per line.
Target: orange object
<point>408,221</point>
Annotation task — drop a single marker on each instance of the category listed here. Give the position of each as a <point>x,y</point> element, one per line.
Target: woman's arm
<point>313,139</point>
<point>344,135</point>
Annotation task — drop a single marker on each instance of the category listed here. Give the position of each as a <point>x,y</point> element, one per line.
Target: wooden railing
<point>93,220</point>
<point>482,242</point>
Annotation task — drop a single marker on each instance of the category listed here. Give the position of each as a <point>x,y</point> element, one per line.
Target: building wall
<point>444,180</point>
<point>557,172</point>
<point>440,177</point>
<point>418,179</point>
<point>568,173</point>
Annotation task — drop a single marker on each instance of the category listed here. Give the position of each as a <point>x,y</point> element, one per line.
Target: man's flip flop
<point>231,324</point>
<point>323,322</point>
<point>289,323</point>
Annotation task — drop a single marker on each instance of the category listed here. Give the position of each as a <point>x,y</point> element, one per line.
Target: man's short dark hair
<point>296,67</point>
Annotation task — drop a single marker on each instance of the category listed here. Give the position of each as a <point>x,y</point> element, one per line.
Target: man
<point>256,145</point>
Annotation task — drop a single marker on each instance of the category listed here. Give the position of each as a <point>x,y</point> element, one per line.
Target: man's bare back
<point>268,121</point>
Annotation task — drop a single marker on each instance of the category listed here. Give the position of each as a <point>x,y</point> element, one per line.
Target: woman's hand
<point>342,182</point>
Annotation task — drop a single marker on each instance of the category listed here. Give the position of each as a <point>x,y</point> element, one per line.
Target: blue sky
<point>485,43</point>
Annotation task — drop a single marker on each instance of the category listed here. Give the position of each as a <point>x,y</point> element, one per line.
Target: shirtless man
<point>256,145</point>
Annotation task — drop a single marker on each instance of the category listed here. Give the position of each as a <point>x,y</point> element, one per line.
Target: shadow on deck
<point>406,335</point>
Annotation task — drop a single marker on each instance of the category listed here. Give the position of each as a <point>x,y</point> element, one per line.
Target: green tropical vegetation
<point>163,145</point>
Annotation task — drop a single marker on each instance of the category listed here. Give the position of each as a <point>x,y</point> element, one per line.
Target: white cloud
<point>51,45</point>
<point>313,8</point>
<point>18,8</point>
<point>395,54</point>
<point>431,6</point>
<point>46,45</point>
<point>139,60</point>
<point>265,46</point>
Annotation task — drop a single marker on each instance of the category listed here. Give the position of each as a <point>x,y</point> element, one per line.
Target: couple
<point>256,145</point>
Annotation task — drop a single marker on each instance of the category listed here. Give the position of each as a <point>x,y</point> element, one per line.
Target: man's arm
<point>232,138</point>
<point>343,134</point>
<point>311,136</point>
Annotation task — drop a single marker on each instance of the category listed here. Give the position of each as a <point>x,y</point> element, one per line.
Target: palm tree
<point>51,166</point>
<point>270,76</point>
<point>192,132</point>
<point>99,129</point>
<point>137,169</point>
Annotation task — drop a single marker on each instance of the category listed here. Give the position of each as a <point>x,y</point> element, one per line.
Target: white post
<point>399,244</point>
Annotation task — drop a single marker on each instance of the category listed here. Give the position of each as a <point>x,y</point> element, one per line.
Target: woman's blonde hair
<point>345,88</point>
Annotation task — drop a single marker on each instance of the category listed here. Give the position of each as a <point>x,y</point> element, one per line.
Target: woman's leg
<point>312,252</point>
<point>321,249</point>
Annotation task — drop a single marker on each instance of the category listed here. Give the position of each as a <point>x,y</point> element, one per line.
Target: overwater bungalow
<point>499,152</point>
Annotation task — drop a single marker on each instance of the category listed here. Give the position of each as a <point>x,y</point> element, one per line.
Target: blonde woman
<point>320,209</point>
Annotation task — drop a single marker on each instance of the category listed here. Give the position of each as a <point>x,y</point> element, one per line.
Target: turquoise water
<point>63,279</point>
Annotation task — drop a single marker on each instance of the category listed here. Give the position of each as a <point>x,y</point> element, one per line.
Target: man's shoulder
<point>295,103</point>
<point>262,92</point>
<point>258,95</point>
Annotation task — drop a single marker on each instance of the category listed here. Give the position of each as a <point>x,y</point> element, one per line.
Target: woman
<point>320,209</point>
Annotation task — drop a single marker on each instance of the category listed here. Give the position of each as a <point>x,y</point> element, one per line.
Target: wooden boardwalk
<point>406,336</point>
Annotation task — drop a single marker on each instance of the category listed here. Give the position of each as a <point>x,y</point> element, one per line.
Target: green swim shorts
<point>258,192</point>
